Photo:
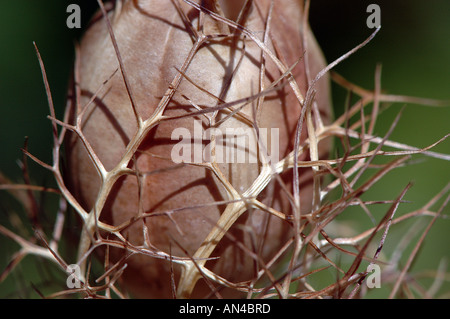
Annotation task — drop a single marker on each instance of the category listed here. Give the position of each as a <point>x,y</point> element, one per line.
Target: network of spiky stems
<point>311,248</point>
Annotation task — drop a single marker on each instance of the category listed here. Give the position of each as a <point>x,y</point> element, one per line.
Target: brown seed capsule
<point>183,201</point>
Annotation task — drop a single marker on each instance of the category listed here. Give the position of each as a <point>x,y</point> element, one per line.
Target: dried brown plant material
<point>212,231</point>
<point>155,66</point>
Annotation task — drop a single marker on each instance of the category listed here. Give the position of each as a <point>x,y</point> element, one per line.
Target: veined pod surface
<point>171,192</point>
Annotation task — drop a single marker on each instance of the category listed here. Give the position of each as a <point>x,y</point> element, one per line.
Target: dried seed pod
<point>169,206</point>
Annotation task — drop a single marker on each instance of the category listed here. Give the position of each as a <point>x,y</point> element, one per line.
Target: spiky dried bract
<point>204,228</point>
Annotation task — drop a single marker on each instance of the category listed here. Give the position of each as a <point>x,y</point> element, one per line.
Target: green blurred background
<point>413,47</point>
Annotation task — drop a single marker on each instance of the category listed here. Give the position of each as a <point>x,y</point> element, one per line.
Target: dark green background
<point>413,47</point>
